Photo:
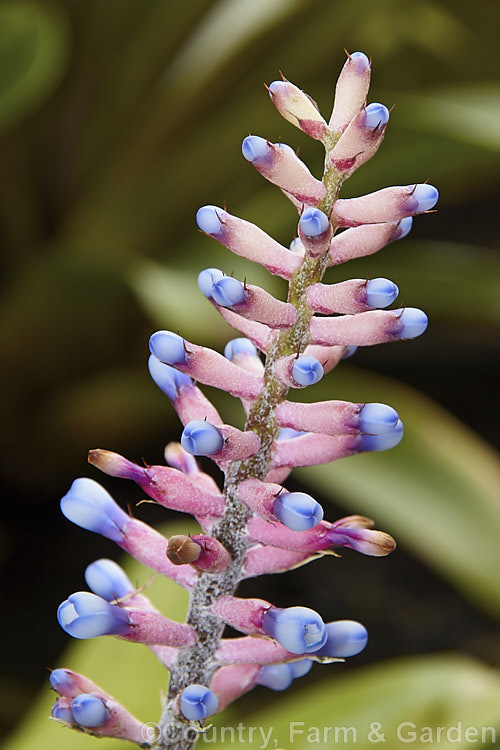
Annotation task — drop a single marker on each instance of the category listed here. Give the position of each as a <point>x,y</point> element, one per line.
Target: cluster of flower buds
<point>253,525</point>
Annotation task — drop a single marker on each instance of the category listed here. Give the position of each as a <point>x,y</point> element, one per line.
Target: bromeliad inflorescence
<point>254,525</point>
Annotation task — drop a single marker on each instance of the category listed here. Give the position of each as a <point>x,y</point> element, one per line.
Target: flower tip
<point>168,347</point>
<point>412,322</point>
<point>207,218</point>
<point>376,116</point>
<point>197,702</point>
<point>167,378</point>
<point>239,346</point>
<point>378,419</point>
<point>403,228</point>
<point>297,510</point>
<point>255,148</point>
<point>384,442</point>
<point>380,293</point>
<point>344,638</point>
<point>62,713</point>
<point>89,710</point>
<point>423,198</point>
<point>60,681</point>
<point>206,280</point>
<point>108,580</point>
<point>228,292</point>
<point>360,60</point>
<point>306,370</point>
<point>314,222</point>
<point>276,676</point>
<point>201,438</point>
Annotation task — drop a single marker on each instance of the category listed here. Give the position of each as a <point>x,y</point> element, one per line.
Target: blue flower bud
<point>424,197</point>
<point>360,58</point>
<point>298,629</point>
<point>414,322</point>
<point>228,292</point>
<point>88,710</point>
<point>313,222</point>
<point>88,505</point>
<point>201,438</point>
<point>286,433</point>
<point>382,442</point>
<point>105,578</point>
<point>378,419</point>
<point>276,676</point>
<point>167,378</point>
<point>380,292</point>
<point>60,681</point>
<point>237,346</point>
<point>168,347</point>
<point>61,713</point>
<point>296,246</point>
<point>297,511</point>
<point>85,615</point>
<point>350,351</point>
<point>207,218</point>
<point>376,115</point>
<point>198,702</point>
<point>301,667</point>
<point>285,147</point>
<point>403,228</point>
<point>255,148</point>
<point>206,280</point>
<point>307,370</point>
<point>344,638</point>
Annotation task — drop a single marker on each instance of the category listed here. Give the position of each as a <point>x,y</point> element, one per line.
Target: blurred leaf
<point>430,691</point>
<point>437,492</point>
<point>467,112</point>
<point>451,281</point>
<point>34,42</point>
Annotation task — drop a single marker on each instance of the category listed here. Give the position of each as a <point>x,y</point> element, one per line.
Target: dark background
<point>117,121</point>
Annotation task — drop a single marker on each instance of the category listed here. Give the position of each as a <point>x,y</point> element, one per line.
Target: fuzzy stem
<point>197,665</point>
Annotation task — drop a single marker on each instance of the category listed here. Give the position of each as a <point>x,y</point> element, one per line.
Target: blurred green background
<point>118,119</point>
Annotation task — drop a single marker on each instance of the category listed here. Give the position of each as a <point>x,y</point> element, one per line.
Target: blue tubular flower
<point>424,197</point>
<point>88,505</point>
<point>201,438</point>
<point>314,222</point>
<point>106,579</point>
<point>168,347</point>
<point>382,442</point>
<point>276,676</point>
<point>228,292</point>
<point>344,638</point>
<point>298,629</point>
<point>62,713</point>
<point>167,378</point>
<point>84,615</point>
<point>413,322</point>
<point>255,148</point>
<point>307,370</point>
<point>237,346</point>
<point>403,228</point>
<point>198,702</point>
<point>297,510</point>
<point>287,433</point>
<point>301,667</point>
<point>207,278</point>
<point>350,351</point>
<point>88,710</point>
<point>376,115</point>
<point>378,419</point>
<point>60,681</point>
<point>380,292</point>
<point>207,218</point>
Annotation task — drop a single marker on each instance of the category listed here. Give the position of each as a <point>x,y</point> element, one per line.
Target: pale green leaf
<point>437,492</point>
